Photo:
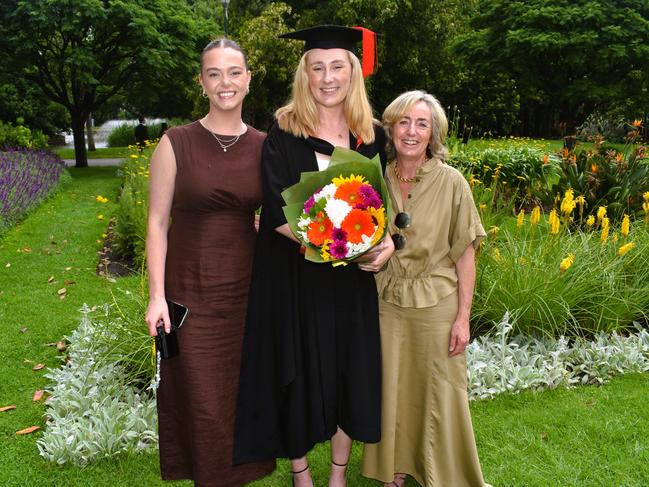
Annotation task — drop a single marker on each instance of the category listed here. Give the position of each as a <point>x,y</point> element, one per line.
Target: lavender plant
<point>27,176</point>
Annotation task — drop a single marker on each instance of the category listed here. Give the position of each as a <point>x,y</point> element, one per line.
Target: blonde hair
<point>299,116</point>
<point>399,108</point>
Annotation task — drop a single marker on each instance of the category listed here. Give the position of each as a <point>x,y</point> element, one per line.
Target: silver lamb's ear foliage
<point>91,414</point>
<point>500,364</point>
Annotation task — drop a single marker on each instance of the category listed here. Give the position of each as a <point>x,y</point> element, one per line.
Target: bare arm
<point>161,190</point>
<point>460,333</point>
<point>286,231</point>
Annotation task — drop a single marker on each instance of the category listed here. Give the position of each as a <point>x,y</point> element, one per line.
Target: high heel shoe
<point>294,473</point>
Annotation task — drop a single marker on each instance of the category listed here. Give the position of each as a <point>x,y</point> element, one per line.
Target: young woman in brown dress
<point>206,177</point>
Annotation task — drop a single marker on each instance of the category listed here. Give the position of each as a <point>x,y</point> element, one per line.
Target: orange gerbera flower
<point>357,223</point>
<point>319,230</point>
<point>349,192</point>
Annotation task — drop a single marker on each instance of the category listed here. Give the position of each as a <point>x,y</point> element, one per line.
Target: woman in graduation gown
<point>311,360</point>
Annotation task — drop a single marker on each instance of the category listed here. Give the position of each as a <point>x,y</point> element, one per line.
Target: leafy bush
<point>123,135</point>
<point>26,177</point>
<point>520,173</point>
<point>92,413</point>
<point>21,137</point>
<point>130,227</point>
<point>606,177</point>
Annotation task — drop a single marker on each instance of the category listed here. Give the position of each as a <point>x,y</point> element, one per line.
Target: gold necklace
<point>401,178</point>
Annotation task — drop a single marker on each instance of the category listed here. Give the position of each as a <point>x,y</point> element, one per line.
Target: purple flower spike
<point>339,235</point>
<point>338,249</point>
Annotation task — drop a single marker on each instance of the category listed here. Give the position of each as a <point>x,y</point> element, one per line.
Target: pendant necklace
<point>225,144</point>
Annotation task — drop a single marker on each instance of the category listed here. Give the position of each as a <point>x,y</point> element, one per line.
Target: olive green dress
<point>426,429</point>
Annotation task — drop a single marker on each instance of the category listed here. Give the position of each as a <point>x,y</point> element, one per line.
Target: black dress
<point>311,355</point>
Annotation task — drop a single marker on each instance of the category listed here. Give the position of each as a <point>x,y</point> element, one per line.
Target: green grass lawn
<point>103,153</point>
<point>590,436</point>
<point>546,145</point>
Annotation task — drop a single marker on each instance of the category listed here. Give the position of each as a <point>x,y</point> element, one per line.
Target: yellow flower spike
<point>581,201</point>
<point>535,215</point>
<point>520,219</point>
<point>601,213</point>
<point>568,203</point>
<point>645,196</point>
<point>566,263</point>
<point>554,221</point>
<point>605,229</point>
<point>493,230</point>
<point>626,225</point>
<point>614,238</point>
<point>625,248</point>
<point>590,221</point>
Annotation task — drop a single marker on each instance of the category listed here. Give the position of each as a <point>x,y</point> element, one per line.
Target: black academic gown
<point>311,354</point>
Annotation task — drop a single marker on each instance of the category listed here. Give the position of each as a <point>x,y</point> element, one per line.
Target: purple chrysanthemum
<point>338,234</point>
<point>370,196</point>
<point>338,249</point>
<point>360,206</point>
<point>308,204</point>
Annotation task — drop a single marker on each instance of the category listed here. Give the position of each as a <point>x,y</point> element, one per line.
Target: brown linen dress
<point>209,258</point>
<point>426,429</point>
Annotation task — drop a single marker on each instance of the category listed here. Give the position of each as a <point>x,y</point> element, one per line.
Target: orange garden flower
<point>349,192</point>
<point>357,223</point>
<point>319,230</point>
<point>618,157</point>
<point>637,123</point>
<point>546,159</point>
<point>594,168</point>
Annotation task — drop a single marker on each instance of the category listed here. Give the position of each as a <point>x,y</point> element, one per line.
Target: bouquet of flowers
<point>341,212</point>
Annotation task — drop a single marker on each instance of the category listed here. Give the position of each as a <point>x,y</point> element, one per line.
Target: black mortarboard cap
<point>339,37</point>
<point>327,37</point>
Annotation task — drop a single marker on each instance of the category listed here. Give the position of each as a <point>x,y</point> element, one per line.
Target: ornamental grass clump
<point>26,178</point>
<point>555,279</point>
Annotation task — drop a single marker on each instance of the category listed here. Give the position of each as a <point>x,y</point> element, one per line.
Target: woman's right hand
<point>156,312</point>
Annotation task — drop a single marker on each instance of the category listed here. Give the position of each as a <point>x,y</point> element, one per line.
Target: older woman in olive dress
<point>425,296</point>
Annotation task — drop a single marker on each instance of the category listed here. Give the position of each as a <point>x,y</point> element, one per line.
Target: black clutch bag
<point>167,343</point>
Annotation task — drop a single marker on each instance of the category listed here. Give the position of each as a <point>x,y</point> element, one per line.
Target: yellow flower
<point>568,203</point>
<point>625,248</point>
<point>554,222</point>
<point>605,229</point>
<point>340,179</point>
<point>601,213</point>
<point>535,216</point>
<point>614,237</point>
<point>626,225</point>
<point>483,206</point>
<point>497,256</point>
<point>520,219</point>
<point>566,263</point>
<point>379,217</point>
<point>590,221</point>
<point>581,201</point>
<point>133,156</point>
<point>474,181</point>
<point>324,250</point>
<point>494,230</point>
<point>100,217</point>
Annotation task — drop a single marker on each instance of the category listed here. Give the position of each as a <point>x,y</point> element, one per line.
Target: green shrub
<point>123,135</point>
<point>20,136</point>
<point>130,227</point>
<point>519,173</point>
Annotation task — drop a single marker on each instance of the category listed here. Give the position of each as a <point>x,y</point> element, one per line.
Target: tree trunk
<point>89,133</point>
<point>78,132</point>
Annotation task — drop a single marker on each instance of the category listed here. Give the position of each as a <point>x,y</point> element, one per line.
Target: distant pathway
<point>96,162</point>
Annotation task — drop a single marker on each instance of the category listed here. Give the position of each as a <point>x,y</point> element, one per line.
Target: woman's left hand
<point>460,337</point>
<point>374,259</point>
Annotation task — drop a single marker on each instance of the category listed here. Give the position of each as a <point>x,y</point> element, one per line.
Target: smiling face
<point>411,133</point>
<point>329,72</point>
<point>224,78</point>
